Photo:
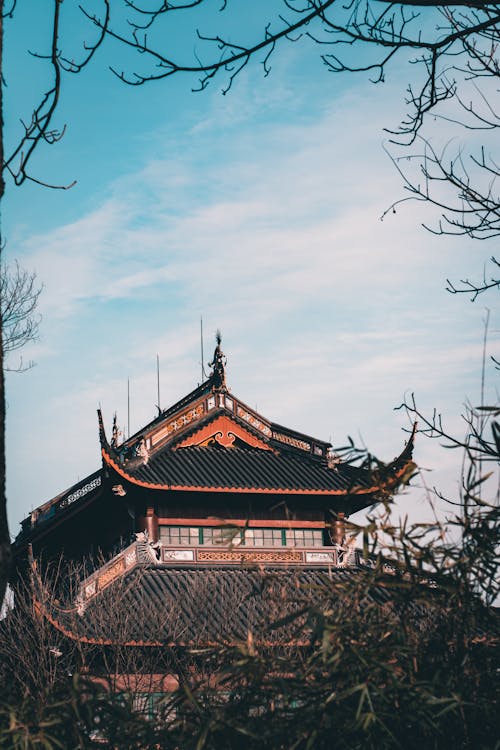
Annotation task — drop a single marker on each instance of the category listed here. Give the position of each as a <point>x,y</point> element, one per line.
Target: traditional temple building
<point>187,517</point>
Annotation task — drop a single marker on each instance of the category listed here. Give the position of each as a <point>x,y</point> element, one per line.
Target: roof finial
<point>114,438</point>
<point>218,364</point>
<point>102,433</point>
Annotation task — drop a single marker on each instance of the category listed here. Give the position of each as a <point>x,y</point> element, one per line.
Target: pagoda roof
<point>153,604</point>
<point>246,470</point>
<point>211,441</point>
<point>189,414</point>
<point>150,604</point>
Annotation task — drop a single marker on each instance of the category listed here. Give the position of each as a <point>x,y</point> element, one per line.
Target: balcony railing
<point>142,552</point>
<point>236,555</point>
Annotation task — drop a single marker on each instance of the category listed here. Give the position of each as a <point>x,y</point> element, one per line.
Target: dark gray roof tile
<point>246,468</point>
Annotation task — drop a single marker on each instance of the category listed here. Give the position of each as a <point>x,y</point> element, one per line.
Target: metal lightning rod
<point>201,344</point>
<point>128,407</point>
<point>158,381</point>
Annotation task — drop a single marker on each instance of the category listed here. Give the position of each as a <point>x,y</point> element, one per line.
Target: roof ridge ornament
<point>218,364</point>
<point>115,433</point>
<point>102,432</point>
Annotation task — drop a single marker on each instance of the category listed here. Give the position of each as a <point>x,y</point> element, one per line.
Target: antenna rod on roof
<point>201,342</point>
<point>158,381</point>
<point>128,407</point>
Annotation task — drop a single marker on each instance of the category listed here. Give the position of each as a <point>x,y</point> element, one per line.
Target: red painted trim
<point>218,522</point>
<point>224,430</point>
<point>85,639</point>
<point>161,429</point>
<point>158,683</point>
<point>252,490</point>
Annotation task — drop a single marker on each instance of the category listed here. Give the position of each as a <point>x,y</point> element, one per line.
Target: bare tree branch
<point>475,288</point>
<point>19,293</point>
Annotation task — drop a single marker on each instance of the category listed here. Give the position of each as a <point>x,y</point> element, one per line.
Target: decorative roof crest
<point>219,362</point>
<point>115,433</point>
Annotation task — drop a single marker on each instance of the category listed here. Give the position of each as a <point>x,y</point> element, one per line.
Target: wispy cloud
<point>329,316</point>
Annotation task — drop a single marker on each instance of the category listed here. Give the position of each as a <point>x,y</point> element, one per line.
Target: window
<point>264,538</point>
<point>304,538</point>
<point>153,706</point>
<point>186,536</point>
<point>217,536</point>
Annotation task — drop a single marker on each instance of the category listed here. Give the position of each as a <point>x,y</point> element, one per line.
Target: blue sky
<point>259,210</point>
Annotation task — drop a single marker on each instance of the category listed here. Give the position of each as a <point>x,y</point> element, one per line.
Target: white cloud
<point>328,314</point>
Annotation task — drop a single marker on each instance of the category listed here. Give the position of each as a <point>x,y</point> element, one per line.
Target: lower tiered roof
<point>154,604</point>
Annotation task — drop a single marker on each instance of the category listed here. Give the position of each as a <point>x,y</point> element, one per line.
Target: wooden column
<point>338,529</point>
<point>149,523</point>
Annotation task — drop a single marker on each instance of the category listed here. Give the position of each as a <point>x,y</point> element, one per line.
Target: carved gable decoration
<point>225,432</point>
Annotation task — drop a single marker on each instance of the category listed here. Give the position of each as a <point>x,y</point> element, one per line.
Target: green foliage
<point>408,669</point>
<point>388,659</point>
<point>72,718</point>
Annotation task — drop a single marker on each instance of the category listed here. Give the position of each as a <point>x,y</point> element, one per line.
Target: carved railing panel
<point>143,553</point>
